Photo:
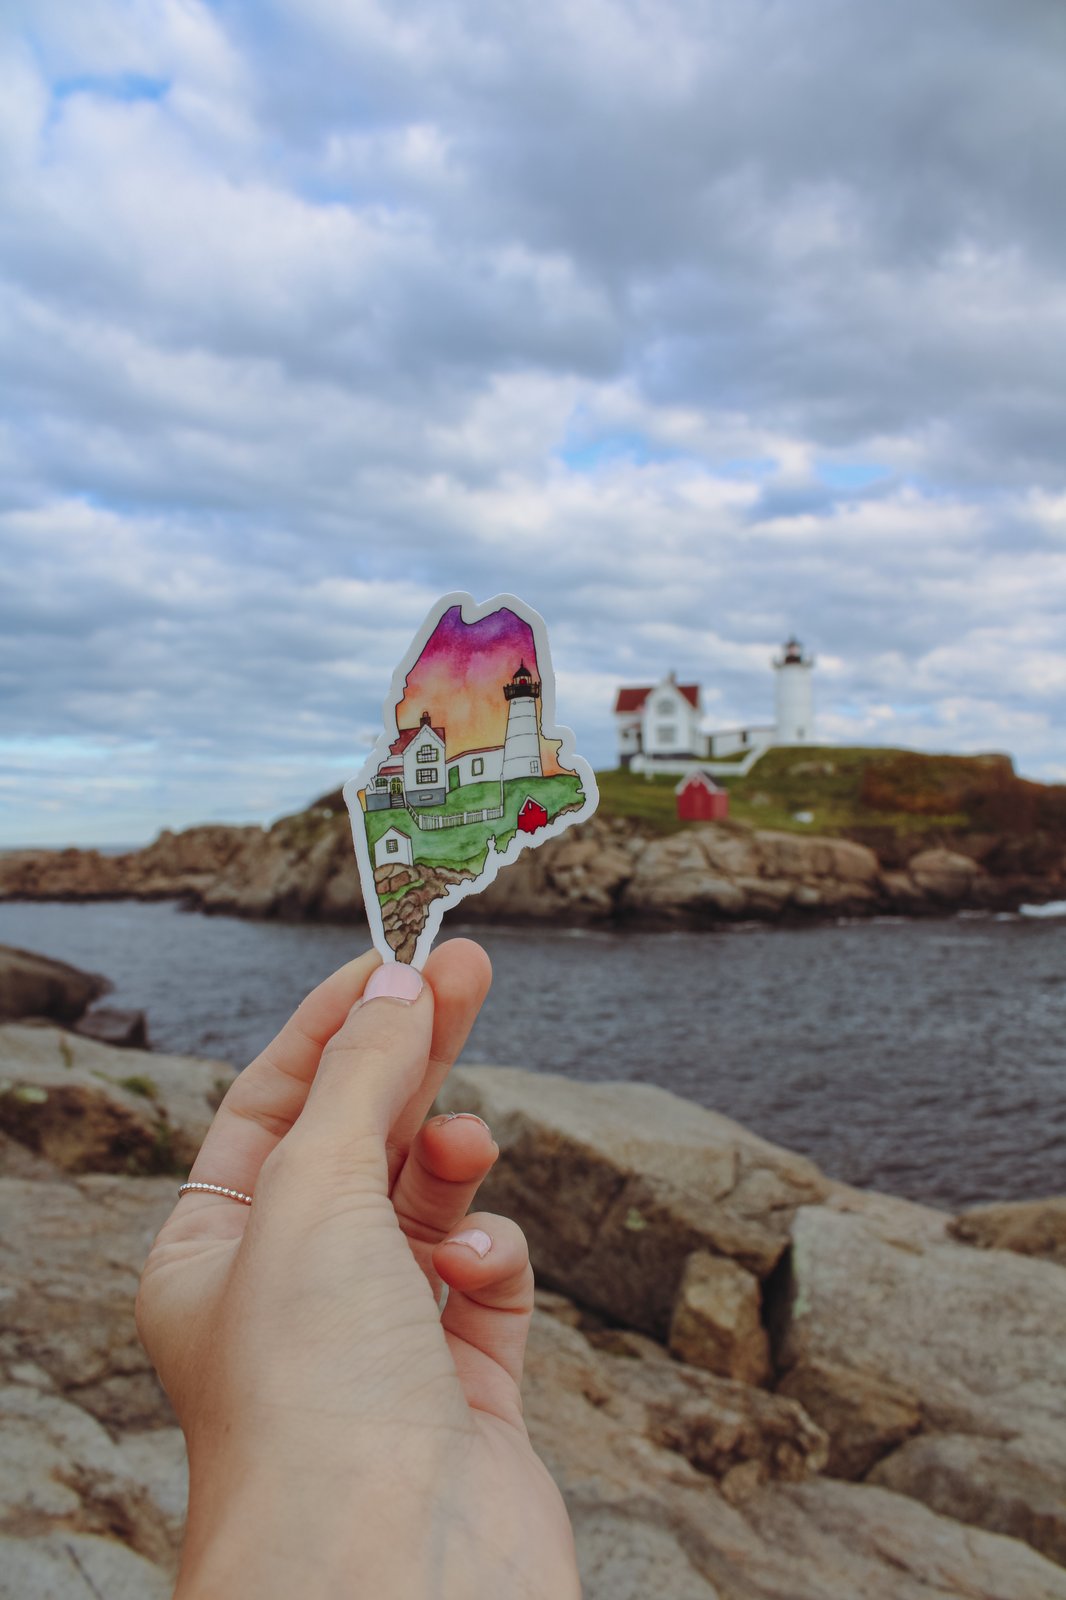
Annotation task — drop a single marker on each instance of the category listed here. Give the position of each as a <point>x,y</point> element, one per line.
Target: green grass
<point>139,1084</point>
<point>465,848</point>
<point>852,789</point>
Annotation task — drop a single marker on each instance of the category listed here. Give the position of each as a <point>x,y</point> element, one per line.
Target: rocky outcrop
<point>1030,1227</point>
<point>90,1107</point>
<point>36,986</point>
<point>936,1370</point>
<point>926,1372</point>
<point>618,1185</point>
<point>608,870</point>
<point>716,871</point>
<point>666,1499</point>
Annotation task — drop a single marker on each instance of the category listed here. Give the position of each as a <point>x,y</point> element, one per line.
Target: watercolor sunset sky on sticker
<point>459,679</point>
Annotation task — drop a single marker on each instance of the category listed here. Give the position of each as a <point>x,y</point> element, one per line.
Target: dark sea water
<point>925,1058</point>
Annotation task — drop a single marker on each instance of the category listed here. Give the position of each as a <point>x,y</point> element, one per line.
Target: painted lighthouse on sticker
<point>521,745</point>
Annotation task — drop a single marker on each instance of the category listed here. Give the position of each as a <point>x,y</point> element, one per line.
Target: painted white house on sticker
<point>394,849</point>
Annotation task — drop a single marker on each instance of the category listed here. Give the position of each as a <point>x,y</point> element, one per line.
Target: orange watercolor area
<point>459,679</point>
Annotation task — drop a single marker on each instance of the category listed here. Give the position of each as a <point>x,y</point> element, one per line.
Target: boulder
<point>944,875</point>
<point>92,1108</point>
<point>62,1469</point>
<point>676,1488</point>
<point>111,1025</point>
<point>71,1252</point>
<point>616,1185</point>
<point>994,1483</point>
<point>65,1565</point>
<point>718,871</point>
<point>1030,1227</point>
<point>36,986</point>
<point>92,1476</point>
<point>889,1337</point>
<point>727,1432</point>
<point>717,1320</point>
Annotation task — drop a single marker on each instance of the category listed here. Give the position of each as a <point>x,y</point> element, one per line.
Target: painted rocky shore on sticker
<point>610,871</point>
<point>751,1382</point>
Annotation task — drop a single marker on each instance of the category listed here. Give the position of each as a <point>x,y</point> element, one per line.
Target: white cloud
<point>312,312</point>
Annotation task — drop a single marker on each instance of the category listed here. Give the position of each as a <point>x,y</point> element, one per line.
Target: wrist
<point>320,1524</point>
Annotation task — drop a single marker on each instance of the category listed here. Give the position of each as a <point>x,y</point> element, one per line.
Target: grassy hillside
<point>853,790</point>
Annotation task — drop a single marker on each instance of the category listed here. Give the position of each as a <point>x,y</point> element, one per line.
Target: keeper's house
<point>413,772</point>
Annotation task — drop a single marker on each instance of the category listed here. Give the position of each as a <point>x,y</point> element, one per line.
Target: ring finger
<point>445,1166</point>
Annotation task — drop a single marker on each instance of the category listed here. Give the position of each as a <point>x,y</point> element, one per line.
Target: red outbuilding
<point>699,799</point>
<point>531,815</point>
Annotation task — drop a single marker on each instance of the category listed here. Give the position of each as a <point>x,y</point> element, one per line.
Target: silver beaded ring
<point>215,1188</point>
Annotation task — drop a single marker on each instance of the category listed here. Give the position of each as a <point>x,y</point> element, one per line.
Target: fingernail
<point>393,980</point>
<point>466,1116</point>
<point>474,1238</point>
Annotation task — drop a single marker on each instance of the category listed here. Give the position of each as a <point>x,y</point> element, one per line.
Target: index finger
<point>264,1102</point>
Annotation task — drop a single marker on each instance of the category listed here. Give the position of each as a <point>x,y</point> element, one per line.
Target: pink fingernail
<point>393,980</point>
<point>466,1116</point>
<point>474,1238</point>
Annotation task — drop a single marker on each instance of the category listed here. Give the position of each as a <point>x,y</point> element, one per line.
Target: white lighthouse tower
<point>521,745</point>
<point>795,707</point>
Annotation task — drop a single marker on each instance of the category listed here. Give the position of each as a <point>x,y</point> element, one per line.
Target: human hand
<point>345,1438</point>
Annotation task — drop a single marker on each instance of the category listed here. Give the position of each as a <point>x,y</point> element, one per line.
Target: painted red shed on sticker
<point>531,815</point>
<point>699,799</point>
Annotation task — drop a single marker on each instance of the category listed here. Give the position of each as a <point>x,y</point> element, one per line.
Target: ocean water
<point>925,1058</point>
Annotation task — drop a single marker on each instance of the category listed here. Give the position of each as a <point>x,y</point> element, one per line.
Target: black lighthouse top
<point>523,686</point>
<point>792,655</point>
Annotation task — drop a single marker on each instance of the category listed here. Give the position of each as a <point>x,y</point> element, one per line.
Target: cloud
<point>692,326</point>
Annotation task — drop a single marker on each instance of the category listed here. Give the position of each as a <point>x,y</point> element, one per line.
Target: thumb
<point>368,1071</point>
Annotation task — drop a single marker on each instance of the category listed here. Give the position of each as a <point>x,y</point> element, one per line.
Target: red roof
<point>633,699</point>
<point>702,778</point>
<point>398,746</point>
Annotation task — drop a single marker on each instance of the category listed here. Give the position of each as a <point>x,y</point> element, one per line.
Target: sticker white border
<point>550,730</point>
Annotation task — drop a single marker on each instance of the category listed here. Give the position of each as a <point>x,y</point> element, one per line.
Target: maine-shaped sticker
<point>471,769</point>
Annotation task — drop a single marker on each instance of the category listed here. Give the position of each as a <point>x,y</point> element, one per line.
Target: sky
<point>694,323</point>
<point>459,679</point>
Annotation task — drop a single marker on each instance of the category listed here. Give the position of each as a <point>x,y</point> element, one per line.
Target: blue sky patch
<point>127,86</point>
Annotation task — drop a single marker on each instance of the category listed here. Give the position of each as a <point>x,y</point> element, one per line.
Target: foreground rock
<point>618,1185</point>
<point>923,1367</point>
<point>91,1446</point>
<point>936,1370</point>
<point>654,1515</point>
<point>36,986</point>
<point>679,1484</point>
<point>91,1107</point>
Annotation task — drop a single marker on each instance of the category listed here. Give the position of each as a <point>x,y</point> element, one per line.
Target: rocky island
<point>893,833</point>
<point>751,1382</point>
